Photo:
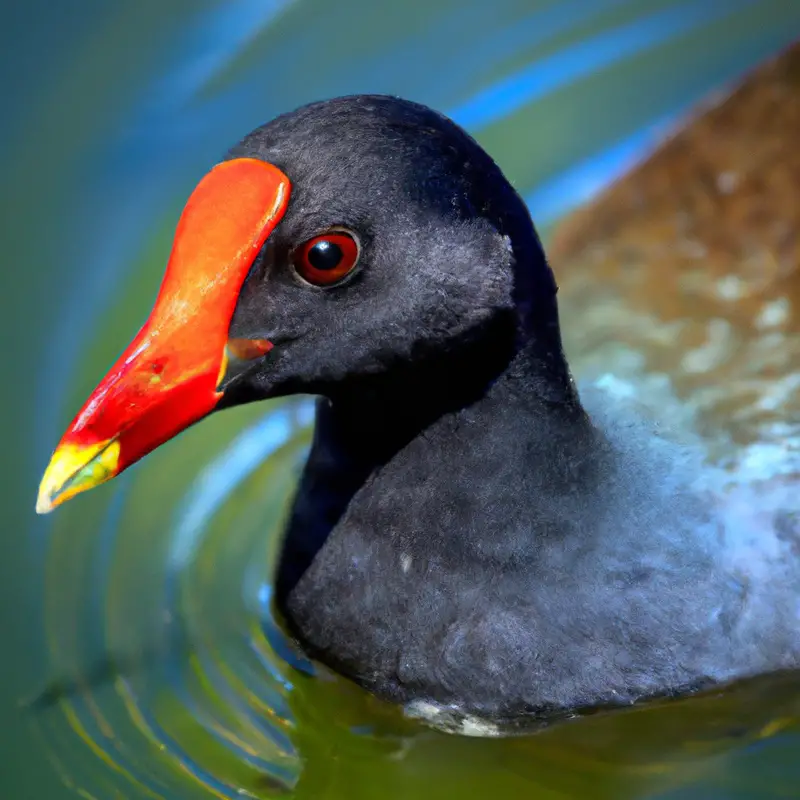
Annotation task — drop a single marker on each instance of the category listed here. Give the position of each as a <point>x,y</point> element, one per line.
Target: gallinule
<point>471,537</point>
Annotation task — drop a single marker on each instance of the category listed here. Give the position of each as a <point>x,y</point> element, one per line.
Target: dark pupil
<point>325,255</point>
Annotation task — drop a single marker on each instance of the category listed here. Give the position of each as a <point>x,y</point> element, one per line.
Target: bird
<point>476,536</point>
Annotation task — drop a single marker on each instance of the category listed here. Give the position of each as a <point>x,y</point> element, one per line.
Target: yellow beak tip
<point>74,469</point>
<point>44,504</point>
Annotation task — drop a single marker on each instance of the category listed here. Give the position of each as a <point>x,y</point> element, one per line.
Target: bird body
<point>502,569</point>
<point>473,537</point>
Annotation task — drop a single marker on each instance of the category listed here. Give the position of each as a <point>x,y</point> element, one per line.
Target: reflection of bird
<point>105,671</point>
<point>471,537</point>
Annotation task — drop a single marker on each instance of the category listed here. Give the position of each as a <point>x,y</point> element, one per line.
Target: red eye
<point>326,259</point>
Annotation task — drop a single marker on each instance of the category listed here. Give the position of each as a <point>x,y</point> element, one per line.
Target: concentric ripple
<point>206,685</point>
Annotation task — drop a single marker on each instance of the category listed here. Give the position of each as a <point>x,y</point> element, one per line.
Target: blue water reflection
<point>585,57</point>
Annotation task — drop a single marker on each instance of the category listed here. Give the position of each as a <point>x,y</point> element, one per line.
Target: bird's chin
<point>273,377</point>
<point>248,389</point>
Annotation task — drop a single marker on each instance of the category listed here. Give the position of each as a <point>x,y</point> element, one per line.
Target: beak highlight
<point>167,378</point>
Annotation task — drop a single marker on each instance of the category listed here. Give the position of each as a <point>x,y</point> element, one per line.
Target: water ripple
<point>588,56</point>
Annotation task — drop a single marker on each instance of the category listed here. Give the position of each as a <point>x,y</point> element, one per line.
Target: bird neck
<point>378,415</point>
<point>524,398</point>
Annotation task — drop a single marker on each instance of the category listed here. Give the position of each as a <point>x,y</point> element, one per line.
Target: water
<point>144,597</point>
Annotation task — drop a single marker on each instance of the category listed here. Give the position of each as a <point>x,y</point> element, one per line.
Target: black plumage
<point>471,536</point>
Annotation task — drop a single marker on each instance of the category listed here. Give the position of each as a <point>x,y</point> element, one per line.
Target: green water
<point>112,111</point>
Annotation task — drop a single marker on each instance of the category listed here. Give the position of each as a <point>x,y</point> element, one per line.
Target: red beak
<point>167,378</point>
